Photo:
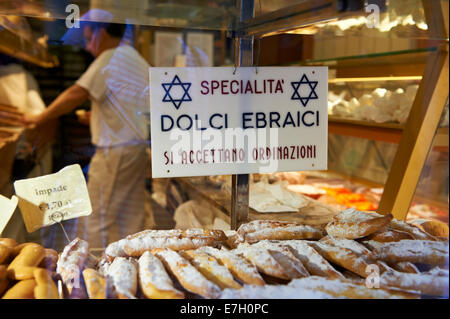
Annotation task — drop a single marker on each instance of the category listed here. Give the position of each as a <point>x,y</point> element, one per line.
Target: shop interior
<point>387,94</point>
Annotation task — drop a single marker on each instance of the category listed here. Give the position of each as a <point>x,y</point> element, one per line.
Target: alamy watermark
<point>373,19</point>
<point>73,19</point>
<point>373,278</point>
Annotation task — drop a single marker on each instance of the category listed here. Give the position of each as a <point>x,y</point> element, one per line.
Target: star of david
<point>304,99</point>
<point>168,86</point>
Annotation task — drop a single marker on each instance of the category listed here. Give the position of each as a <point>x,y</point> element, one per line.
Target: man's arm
<point>66,102</point>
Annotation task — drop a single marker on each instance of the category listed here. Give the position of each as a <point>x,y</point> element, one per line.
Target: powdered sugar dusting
<point>185,272</point>
<point>262,259</point>
<point>123,272</point>
<point>151,271</point>
<point>353,245</point>
<point>202,259</point>
<point>412,250</point>
<point>340,289</point>
<point>137,246</point>
<point>312,260</point>
<point>72,258</point>
<point>424,282</point>
<point>354,215</point>
<point>413,230</point>
<point>116,249</point>
<point>236,263</point>
<point>287,232</point>
<point>273,292</point>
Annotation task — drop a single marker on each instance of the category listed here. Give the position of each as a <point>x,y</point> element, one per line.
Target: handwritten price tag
<point>45,200</point>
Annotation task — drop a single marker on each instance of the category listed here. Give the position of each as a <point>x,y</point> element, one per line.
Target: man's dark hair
<point>115,30</point>
<point>6,59</point>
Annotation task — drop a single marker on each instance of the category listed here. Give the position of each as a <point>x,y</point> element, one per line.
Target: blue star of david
<point>168,86</point>
<point>304,99</point>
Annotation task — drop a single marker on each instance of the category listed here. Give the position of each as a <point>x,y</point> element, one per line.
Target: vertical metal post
<point>239,183</point>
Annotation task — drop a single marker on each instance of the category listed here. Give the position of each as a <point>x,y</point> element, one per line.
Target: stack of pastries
<point>27,271</point>
<point>356,255</point>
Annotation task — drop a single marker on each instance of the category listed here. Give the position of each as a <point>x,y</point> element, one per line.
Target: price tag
<point>46,200</point>
<point>7,209</point>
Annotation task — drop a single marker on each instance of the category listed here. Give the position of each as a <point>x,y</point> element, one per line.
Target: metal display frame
<point>422,123</point>
<point>240,182</point>
<point>423,120</point>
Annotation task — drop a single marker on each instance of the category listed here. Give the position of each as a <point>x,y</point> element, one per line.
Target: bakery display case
<point>380,209</point>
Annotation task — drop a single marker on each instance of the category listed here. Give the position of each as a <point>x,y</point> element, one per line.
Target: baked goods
<point>45,286</point>
<point>284,254</point>
<point>346,289</point>
<point>273,292</point>
<point>209,267</point>
<point>415,251</point>
<point>24,274</point>
<point>175,239</point>
<point>344,228</point>
<point>354,215</point>
<point>188,276</point>
<point>8,242</point>
<point>263,260</point>
<point>29,256</point>
<point>23,289</point>
<point>241,268</point>
<point>259,263</point>
<point>136,248</point>
<point>154,281</point>
<point>416,232</point>
<point>50,259</point>
<point>18,248</point>
<point>432,227</point>
<point>388,235</point>
<point>115,249</point>
<point>123,273</point>
<point>438,271</point>
<point>315,287</point>
<point>343,257</point>
<point>155,239</point>
<point>4,281</point>
<point>5,252</point>
<point>406,266</point>
<point>353,245</point>
<point>257,230</point>
<point>427,284</point>
<point>311,259</point>
<point>95,284</point>
<point>71,263</point>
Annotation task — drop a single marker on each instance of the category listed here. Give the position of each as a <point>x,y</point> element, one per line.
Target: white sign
<point>222,120</point>
<point>49,199</point>
<point>7,209</point>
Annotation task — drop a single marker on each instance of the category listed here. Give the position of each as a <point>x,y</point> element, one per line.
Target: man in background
<point>19,89</point>
<point>116,83</point>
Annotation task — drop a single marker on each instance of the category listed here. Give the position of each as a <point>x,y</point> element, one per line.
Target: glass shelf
<point>209,15</point>
<point>382,65</point>
<point>405,18</point>
<point>17,41</point>
<point>392,57</point>
<point>396,19</point>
